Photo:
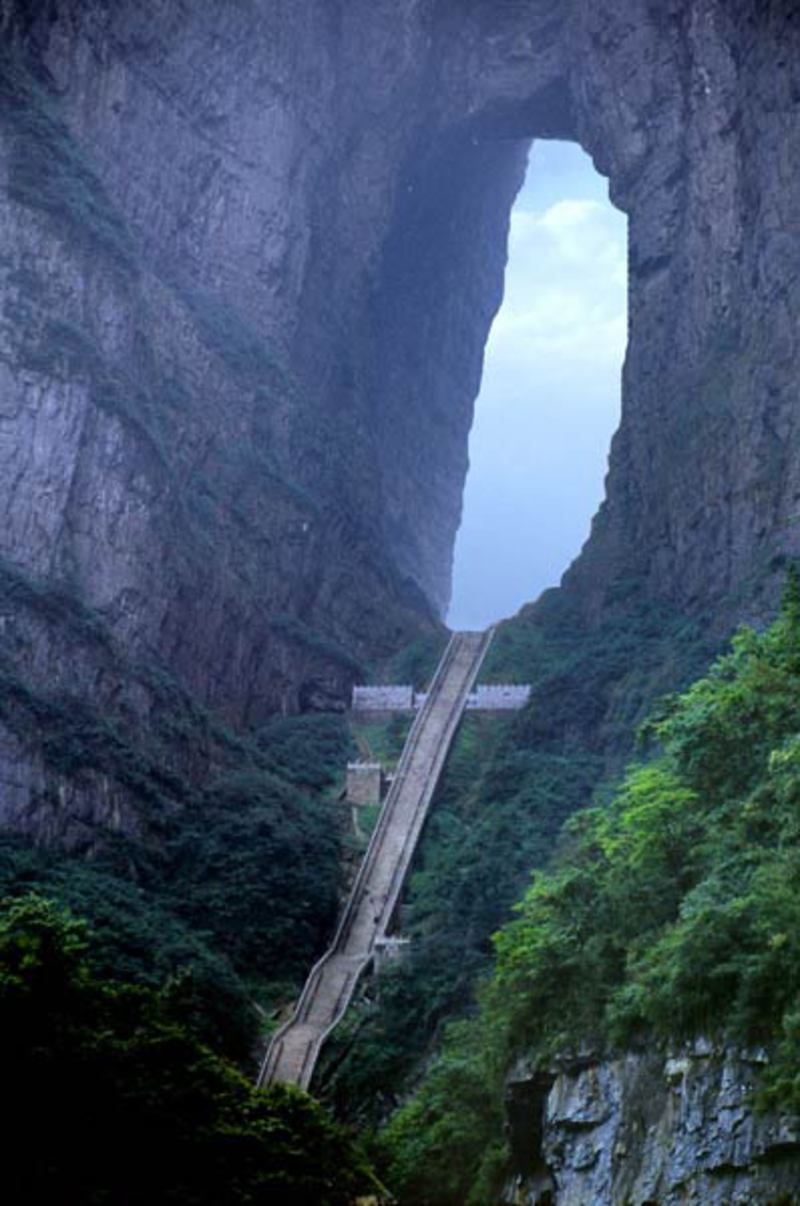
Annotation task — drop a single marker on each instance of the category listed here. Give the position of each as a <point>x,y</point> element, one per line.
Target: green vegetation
<point>136,936</point>
<point>381,740</point>
<point>225,894</point>
<point>302,634</point>
<point>52,600</point>
<point>131,1103</point>
<point>236,881</point>
<point>256,868</point>
<point>74,736</point>
<point>229,336</point>
<point>593,684</point>
<point>415,663</point>
<point>509,786</point>
<point>670,912</point>
<point>211,885</point>
<point>47,170</point>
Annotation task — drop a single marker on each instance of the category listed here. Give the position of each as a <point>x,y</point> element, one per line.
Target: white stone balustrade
<point>383,699</point>
<point>500,697</point>
<point>503,697</point>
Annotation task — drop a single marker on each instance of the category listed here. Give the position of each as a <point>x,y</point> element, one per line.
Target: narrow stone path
<point>293,1052</point>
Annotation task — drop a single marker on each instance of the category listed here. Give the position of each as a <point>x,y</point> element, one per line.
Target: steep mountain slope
<point>251,254</point>
<point>642,1017</point>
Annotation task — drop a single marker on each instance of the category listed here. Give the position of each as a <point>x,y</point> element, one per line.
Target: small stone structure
<point>502,697</point>
<point>365,783</point>
<point>383,699</point>
<point>388,951</point>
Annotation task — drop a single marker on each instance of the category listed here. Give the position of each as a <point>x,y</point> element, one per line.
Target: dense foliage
<point>673,910</point>
<point>126,1103</point>
<point>240,889</point>
<point>485,833</point>
<point>509,785</point>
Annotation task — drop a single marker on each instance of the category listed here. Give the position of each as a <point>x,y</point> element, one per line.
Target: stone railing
<point>383,699</point>
<point>502,697</point>
<point>371,906</point>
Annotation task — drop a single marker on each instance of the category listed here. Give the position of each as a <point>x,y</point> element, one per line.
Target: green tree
<point>119,1101</point>
<point>672,911</point>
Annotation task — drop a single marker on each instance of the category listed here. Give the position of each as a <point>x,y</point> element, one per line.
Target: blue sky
<point>549,402</point>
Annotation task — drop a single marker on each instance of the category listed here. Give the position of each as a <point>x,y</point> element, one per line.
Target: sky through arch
<point>550,397</point>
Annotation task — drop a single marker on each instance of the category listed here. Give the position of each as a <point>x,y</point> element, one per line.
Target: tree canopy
<point>671,911</point>
<point>114,1098</point>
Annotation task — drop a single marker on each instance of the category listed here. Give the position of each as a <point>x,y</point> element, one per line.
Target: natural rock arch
<point>335,204</point>
<point>676,109</point>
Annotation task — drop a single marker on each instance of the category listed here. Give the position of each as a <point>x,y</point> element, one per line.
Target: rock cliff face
<point>649,1128</point>
<point>255,250</point>
<point>249,255</point>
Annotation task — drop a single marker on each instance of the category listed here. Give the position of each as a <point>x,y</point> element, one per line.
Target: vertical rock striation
<point>250,256</point>
<point>652,1128</point>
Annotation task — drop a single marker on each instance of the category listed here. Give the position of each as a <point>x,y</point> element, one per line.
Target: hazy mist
<point>549,402</point>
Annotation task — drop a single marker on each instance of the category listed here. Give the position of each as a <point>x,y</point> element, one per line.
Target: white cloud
<point>550,396</point>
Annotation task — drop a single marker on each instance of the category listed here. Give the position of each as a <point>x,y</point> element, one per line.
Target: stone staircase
<point>293,1051</point>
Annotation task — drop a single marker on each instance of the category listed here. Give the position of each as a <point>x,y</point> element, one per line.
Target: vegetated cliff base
<point>669,912</point>
<point>649,1128</point>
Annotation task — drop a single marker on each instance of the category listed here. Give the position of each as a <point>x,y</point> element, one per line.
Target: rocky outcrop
<point>646,1129</point>
<point>703,486</point>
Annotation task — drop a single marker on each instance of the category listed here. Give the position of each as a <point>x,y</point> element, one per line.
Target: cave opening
<point>550,393</point>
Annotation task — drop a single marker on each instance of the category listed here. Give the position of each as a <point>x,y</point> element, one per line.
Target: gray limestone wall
<point>250,257</point>
<point>676,1129</point>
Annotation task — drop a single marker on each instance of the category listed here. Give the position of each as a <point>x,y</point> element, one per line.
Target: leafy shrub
<point>256,867</point>
<point>299,633</point>
<point>670,912</point>
<point>234,886</point>
<point>133,1106</point>
<point>310,751</point>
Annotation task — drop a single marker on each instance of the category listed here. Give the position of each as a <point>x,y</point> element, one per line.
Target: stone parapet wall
<point>383,699</point>
<point>503,697</point>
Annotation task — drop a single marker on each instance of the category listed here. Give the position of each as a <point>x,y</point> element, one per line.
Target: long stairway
<point>294,1049</point>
